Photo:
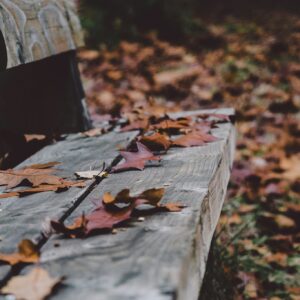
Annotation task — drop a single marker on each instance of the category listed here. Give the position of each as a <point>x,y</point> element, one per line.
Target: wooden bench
<point>40,91</point>
<point>162,257</point>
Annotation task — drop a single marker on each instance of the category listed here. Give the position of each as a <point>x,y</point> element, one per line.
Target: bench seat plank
<point>163,257</point>
<point>24,217</point>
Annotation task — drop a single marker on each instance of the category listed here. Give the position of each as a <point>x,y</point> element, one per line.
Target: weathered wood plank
<point>37,29</point>
<point>163,257</point>
<point>25,217</point>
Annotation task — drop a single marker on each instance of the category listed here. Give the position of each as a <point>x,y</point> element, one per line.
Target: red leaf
<point>194,139</point>
<point>101,218</point>
<point>136,160</point>
<point>107,214</point>
<point>136,125</point>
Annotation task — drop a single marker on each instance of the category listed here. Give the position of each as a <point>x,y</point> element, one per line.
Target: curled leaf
<point>36,285</point>
<point>156,142</point>
<point>27,253</point>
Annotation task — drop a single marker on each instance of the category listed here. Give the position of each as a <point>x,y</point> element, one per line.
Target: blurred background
<point>157,56</point>
<point>179,21</point>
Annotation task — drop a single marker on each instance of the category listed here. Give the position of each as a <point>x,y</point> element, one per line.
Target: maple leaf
<point>204,127</point>
<point>27,253</point>
<point>107,214</point>
<point>98,220</point>
<point>43,166</point>
<point>36,285</point>
<point>35,174</point>
<point>44,188</point>
<point>136,125</point>
<point>101,218</point>
<point>171,126</point>
<point>194,138</point>
<point>221,117</point>
<point>151,197</point>
<point>156,142</point>
<point>136,160</point>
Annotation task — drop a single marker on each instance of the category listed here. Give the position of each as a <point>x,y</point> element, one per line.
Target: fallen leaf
<point>291,167</point>
<point>27,253</point>
<point>108,214</point>
<point>203,127</point>
<point>121,197</point>
<point>194,139</point>
<point>171,126</point>
<point>36,176</point>
<point>44,188</point>
<point>31,137</point>
<point>91,174</point>
<point>9,195</point>
<point>152,196</point>
<point>173,207</point>
<point>36,285</point>
<point>99,219</point>
<point>278,258</point>
<point>136,160</point>
<point>156,142</point>
<point>221,117</point>
<point>43,166</point>
<point>284,222</point>
<point>174,75</point>
<point>93,132</point>
<point>136,125</point>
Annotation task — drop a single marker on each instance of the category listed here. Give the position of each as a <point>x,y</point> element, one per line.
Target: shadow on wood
<point>3,53</point>
<point>43,97</point>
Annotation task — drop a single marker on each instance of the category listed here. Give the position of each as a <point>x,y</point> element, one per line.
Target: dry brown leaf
<point>279,258</point>
<point>172,76</point>
<point>36,285</point>
<point>44,188</point>
<point>36,176</point>
<point>27,253</point>
<point>291,167</point>
<point>43,166</point>
<point>136,125</point>
<point>171,126</point>
<point>93,132</point>
<point>284,222</point>
<point>91,174</point>
<point>173,207</point>
<point>156,142</point>
<point>194,138</point>
<point>31,137</point>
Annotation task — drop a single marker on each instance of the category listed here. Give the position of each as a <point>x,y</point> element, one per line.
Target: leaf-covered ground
<point>254,67</point>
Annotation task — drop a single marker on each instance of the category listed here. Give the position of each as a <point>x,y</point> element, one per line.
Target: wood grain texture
<point>26,217</point>
<point>163,257</point>
<point>36,29</point>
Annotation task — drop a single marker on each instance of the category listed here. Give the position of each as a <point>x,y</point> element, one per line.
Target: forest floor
<point>255,68</point>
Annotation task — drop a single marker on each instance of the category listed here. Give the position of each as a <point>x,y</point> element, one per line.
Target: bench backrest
<point>35,29</point>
